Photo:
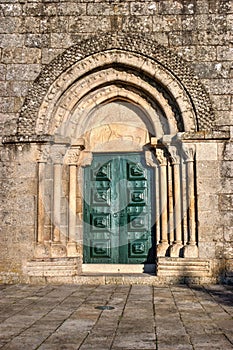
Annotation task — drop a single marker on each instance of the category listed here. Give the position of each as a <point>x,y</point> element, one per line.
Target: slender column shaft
<point>163,184</point>
<point>170,204</point>
<point>57,202</point>
<point>163,244</point>
<point>178,227</point>
<point>191,204</point>
<point>157,204</point>
<point>72,202</point>
<point>41,209</point>
<point>191,249</point>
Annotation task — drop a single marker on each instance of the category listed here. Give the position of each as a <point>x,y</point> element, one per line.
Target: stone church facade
<point>116,141</point>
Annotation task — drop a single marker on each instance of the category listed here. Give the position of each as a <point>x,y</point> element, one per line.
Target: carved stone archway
<point>62,110</point>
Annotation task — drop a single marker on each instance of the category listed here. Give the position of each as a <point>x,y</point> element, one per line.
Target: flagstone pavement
<point>176,317</point>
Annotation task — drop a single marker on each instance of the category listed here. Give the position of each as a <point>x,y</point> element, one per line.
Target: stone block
<point>89,24</point>
<point>10,25</point>
<point>219,86</point>
<point>143,8</point>
<point>48,54</point>
<point>219,6</point>
<point>209,70</point>
<point>228,233</point>
<point>206,53</point>
<point>222,102</point>
<point>37,40</point>
<point>202,6</point>
<point>206,250</point>
<point>13,40</point>
<point>135,24</point>
<point>224,53</point>
<point>210,38</point>
<point>227,185</point>
<point>61,40</point>
<point>227,169</point>
<point>33,9</point>
<point>207,152</point>
<point>187,52</point>
<point>226,202</point>
<point>57,25</point>
<point>188,23</point>
<point>22,71</point>
<point>12,10</point>
<point>228,250</point>
<point>228,151</point>
<point>208,169</point>
<point>175,38</point>
<point>106,9</point>
<point>207,201</point>
<point>208,185</point>
<point>171,7</point>
<point>166,23</point>
<point>71,8</point>
<point>7,104</point>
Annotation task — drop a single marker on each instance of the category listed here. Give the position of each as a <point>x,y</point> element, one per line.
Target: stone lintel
<point>14,139</point>
<point>203,135</point>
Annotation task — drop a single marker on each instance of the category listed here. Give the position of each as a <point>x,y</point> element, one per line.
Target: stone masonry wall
<point>34,32</point>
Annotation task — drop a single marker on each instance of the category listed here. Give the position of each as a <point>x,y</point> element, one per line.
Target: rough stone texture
<point>139,317</point>
<point>39,40</point>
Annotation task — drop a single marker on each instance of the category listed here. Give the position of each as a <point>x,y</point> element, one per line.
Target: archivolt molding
<point>100,50</point>
<point>63,85</point>
<point>73,105</point>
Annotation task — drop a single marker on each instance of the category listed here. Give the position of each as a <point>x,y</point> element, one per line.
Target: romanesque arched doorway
<point>116,163</point>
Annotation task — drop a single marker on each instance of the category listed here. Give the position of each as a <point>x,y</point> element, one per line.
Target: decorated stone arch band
<point>143,66</point>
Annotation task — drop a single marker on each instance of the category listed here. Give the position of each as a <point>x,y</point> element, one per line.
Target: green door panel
<point>117,210</point>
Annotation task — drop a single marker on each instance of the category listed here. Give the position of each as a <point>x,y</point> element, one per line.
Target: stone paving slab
<point>64,317</point>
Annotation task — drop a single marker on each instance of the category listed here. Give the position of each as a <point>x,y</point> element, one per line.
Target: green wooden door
<point>117,210</point>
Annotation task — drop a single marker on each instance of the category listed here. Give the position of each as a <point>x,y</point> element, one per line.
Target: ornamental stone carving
<point>102,42</point>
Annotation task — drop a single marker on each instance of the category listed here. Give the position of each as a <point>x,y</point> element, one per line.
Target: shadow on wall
<point>192,271</point>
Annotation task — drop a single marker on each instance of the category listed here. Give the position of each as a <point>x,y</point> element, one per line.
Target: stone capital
<point>188,152</point>
<point>174,155</point>
<point>72,156</point>
<point>162,159</point>
<point>150,159</point>
<point>43,154</point>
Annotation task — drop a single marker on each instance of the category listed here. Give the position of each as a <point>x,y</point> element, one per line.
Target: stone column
<point>177,244</point>
<point>163,244</point>
<point>190,249</point>
<point>40,249</point>
<point>42,160</point>
<point>57,249</point>
<point>170,206</point>
<point>72,160</point>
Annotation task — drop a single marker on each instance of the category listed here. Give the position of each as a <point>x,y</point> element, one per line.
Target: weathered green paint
<point>117,210</point>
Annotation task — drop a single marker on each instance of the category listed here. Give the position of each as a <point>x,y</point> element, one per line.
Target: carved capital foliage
<point>72,156</point>
<point>174,155</point>
<point>189,152</point>
<point>43,154</point>
<point>161,157</point>
<point>150,159</point>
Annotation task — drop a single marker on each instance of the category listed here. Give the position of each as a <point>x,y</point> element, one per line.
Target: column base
<point>41,251</point>
<point>190,251</point>
<point>57,250</point>
<point>175,250</point>
<point>162,249</point>
<point>72,249</point>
